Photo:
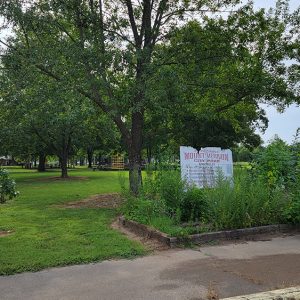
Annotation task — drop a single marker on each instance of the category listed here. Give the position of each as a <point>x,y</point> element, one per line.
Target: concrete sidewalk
<point>225,271</point>
<point>292,293</point>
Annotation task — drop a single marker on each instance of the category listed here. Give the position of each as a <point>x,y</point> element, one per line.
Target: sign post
<point>202,168</point>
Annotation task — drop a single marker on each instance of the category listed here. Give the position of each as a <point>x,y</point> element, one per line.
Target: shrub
<point>292,211</point>
<point>7,186</point>
<point>276,164</point>
<point>142,210</point>
<point>165,185</point>
<point>193,206</point>
<point>171,189</point>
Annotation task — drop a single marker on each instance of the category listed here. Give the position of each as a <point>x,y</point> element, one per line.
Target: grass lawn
<point>45,235</point>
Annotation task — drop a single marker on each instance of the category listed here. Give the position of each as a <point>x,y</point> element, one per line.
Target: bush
<point>292,211</point>
<point>276,164</point>
<point>193,206</point>
<point>171,190</point>
<point>165,194</point>
<point>142,210</point>
<point>165,185</point>
<point>7,186</point>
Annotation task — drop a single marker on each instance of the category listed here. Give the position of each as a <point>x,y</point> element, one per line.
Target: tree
<point>219,71</point>
<point>100,135</point>
<point>54,119</point>
<point>105,51</point>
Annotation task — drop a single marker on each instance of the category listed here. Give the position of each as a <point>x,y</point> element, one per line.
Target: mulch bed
<point>112,200</point>
<point>149,243</point>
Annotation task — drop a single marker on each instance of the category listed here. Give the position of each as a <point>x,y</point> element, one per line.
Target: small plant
<point>7,186</point>
<point>212,292</point>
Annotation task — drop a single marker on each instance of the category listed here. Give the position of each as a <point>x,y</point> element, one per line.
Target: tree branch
<point>132,22</point>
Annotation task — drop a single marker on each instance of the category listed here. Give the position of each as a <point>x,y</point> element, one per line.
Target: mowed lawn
<point>46,235</point>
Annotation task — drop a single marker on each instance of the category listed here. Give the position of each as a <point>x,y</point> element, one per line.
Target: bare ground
<point>112,200</point>
<point>4,233</point>
<point>58,178</point>
<point>150,244</point>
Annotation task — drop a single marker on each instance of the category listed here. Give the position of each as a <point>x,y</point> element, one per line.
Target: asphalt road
<point>224,271</point>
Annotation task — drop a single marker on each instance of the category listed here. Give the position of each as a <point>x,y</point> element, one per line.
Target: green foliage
<point>165,195</point>
<point>143,210</point>
<point>172,228</point>
<point>167,202</point>
<point>276,164</point>
<point>242,154</point>
<point>219,69</point>
<point>207,75</point>
<point>7,186</point>
<point>193,206</point>
<point>292,212</point>
<point>251,202</point>
<point>170,189</point>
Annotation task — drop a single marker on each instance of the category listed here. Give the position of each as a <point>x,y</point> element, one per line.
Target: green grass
<point>45,235</point>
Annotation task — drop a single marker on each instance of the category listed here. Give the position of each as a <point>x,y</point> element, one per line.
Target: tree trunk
<point>135,172</point>
<point>81,161</point>
<point>149,154</point>
<point>64,166</point>
<point>135,153</point>
<point>42,162</point>
<point>90,153</point>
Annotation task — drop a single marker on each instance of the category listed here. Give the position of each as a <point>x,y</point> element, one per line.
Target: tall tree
<point>104,50</point>
<point>52,117</point>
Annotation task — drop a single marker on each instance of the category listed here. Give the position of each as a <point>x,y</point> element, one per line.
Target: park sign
<point>202,168</point>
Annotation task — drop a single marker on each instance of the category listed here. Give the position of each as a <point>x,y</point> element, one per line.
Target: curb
<point>284,294</point>
<point>203,238</point>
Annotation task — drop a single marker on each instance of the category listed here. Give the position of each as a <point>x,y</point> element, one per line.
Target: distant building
<point>6,161</point>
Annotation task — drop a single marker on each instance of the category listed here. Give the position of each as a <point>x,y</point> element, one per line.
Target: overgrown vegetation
<point>266,193</point>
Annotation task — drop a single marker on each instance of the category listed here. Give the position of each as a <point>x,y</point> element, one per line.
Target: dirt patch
<point>150,244</point>
<point>112,200</point>
<point>58,178</point>
<point>4,233</point>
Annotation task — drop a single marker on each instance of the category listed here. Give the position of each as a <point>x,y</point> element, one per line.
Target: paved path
<point>227,270</point>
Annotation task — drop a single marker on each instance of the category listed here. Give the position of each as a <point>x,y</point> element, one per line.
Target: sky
<point>282,124</point>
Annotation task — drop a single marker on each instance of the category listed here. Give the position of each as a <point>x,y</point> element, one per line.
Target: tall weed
<point>251,202</point>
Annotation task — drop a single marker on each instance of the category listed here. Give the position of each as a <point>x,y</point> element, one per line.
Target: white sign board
<point>201,168</point>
